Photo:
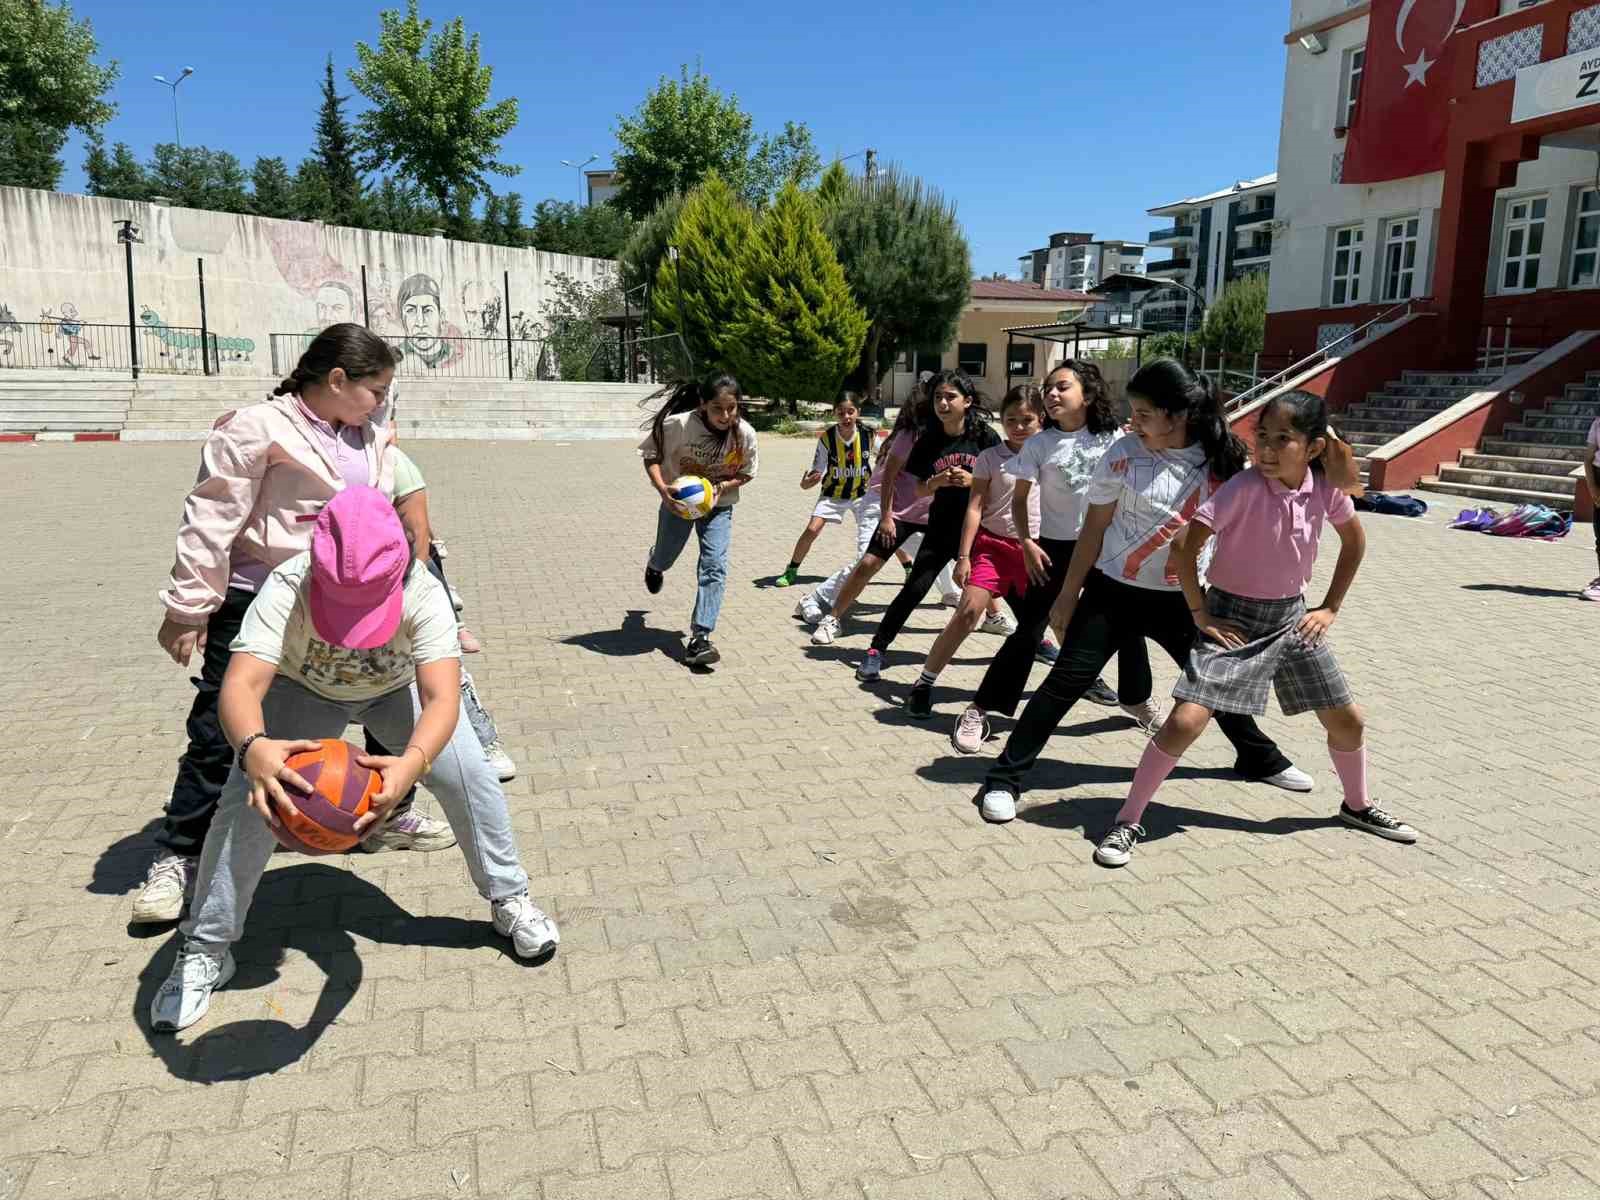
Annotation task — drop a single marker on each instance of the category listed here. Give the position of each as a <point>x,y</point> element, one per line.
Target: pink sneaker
<point>971,731</point>
<point>1592,592</point>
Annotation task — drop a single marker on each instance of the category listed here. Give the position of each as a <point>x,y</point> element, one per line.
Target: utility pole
<point>872,164</point>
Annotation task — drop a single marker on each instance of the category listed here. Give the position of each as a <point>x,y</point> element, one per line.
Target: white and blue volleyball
<point>693,494</point>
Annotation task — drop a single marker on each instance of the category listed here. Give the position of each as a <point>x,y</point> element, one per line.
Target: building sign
<point>1557,86</point>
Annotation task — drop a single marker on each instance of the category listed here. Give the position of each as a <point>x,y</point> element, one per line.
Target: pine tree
<point>119,175</point>
<point>336,154</point>
<point>271,189</point>
<point>703,293</point>
<point>833,187</point>
<point>312,197</point>
<point>515,235</point>
<point>801,331</point>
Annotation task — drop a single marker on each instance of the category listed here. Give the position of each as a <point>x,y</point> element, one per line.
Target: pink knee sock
<point>1352,768</point>
<point>1153,770</point>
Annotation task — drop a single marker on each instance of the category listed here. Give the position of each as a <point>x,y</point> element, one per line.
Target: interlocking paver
<point>794,962</point>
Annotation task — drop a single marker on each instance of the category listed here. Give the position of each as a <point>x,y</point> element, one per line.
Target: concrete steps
<point>1506,447</point>
<point>1503,497</point>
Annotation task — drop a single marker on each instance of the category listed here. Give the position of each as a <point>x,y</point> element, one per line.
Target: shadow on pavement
<point>313,909</point>
<point>631,639</point>
<point>122,865</point>
<point>1520,589</point>
<point>1093,815</point>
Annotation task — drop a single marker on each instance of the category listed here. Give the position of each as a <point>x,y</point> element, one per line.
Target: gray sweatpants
<point>239,844</point>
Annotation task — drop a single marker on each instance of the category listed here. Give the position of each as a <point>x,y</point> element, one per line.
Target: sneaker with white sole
<point>410,831</point>
<point>1374,820</point>
<point>501,761</point>
<point>1100,693</point>
<point>999,805</point>
<point>532,933</point>
<point>1116,848</point>
<point>871,667</point>
<point>166,885</point>
<point>971,731</point>
<point>1147,715</point>
<point>1592,592</point>
<point>951,599</point>
<point>827,629</point>
<point>186,995</point>
<point>456,602</point>
<point>808,610</point>
<point>1047,652</point>
<point>998,623</point>
<point>1290,779</point>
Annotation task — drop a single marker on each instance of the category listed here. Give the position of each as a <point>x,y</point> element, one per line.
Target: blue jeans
<point>716,535</point>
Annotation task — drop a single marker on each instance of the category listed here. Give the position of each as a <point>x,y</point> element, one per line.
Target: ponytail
<point>1179,392</point>
<point>355,349</point>
<point>690,395</point>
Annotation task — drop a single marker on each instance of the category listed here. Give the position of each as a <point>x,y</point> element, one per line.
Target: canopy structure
<point>1074,332</point>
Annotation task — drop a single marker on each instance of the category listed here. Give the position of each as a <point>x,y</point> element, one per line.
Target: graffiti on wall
<point>182,346</point>
<point>68,326</point>
<point>429,338</point>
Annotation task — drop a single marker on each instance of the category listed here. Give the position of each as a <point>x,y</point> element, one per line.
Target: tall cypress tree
<point>703,294</point>
<point>801,331</point>
<point>336,155</point>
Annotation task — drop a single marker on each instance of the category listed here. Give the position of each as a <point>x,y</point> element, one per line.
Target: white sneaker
<point>532,933</point>
<point>501,761</point>
<point>999,805</point>
<point>186,995</point>
<point>1290,779</point>
<point>808,610</point>
<point>410,831</point>
<point>1146,716</point>
<point>167,883</point>
<point>998,623</point>
<point>827,629</point>
<point>971,731</point>
<point>951,599</point>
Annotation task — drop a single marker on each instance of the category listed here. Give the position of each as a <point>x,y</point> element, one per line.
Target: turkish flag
<point>1403,111</point>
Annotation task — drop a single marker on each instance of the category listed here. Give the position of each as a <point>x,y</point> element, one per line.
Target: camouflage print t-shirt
<point>278,630</point>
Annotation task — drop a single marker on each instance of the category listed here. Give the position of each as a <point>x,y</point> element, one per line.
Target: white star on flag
<point>1417,72</point>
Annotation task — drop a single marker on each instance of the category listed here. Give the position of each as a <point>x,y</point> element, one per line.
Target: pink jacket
<point>264,477</point>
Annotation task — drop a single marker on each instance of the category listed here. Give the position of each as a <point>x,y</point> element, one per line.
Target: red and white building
<point>1442,151</point>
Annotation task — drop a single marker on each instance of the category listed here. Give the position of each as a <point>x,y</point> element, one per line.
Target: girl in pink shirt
<point>1255,628</point>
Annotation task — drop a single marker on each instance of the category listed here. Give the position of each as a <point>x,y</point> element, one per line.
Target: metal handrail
<point>1322,355</point>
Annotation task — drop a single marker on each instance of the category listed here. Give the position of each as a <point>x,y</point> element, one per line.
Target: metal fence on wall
<point>444,357</point>
<point>78,346</point>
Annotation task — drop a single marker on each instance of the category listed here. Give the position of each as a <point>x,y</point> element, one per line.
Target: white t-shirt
<point>690,447</point>
<point>278,629</point>
<point>1060,466</point>
<point>1156,492</point>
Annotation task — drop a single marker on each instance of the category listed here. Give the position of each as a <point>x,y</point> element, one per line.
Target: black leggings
<point>1007,676</point>
<point>1597,535</point>
<point>1108,614</point>
<point>938,550</point>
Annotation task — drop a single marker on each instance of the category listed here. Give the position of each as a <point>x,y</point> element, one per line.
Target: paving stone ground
<point>795,963</point>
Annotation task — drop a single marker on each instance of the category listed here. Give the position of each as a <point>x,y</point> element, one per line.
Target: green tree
<point>833,187</point>
<point>430,117</point>
<point>593,230</point>
<point>117,175</point>
<point>1237,322</point>
<point>515,233</point>
<point>1163,345</point>
<point>311,195</point>
<point>336,154</point>
<point>802,331</point>
<point>396,206</point>
<point>702,292</point>
<point>576,341</point>
<point>272,189</point>
<point>907,263</point>
<point>49,85</point>
<point>197,177</point>
<point>685,130</point>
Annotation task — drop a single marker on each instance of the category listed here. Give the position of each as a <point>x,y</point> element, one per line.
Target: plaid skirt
<point>1235,681</point>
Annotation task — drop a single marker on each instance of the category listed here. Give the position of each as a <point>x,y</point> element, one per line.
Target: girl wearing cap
<point>351,631</point>
<point>265,472</point>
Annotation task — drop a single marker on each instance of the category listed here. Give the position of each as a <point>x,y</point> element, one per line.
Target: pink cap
<point>359,557</point>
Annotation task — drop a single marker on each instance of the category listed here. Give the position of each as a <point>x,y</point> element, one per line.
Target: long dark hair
<point>1102,415</point>
<point>1308,416</point>
<point>1179,392</point>
<point>691,394</point>
<point>909,418</point>
<point>977,403</point>
<point>1029,396</point>
<point>355,348</point>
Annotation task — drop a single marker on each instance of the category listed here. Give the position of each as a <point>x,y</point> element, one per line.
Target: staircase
<point>1530,462</point>
<point>1402,405</point>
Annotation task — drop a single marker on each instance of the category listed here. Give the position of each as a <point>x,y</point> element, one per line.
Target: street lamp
<point>567,162</point>
<point>128,234</point>
<point>173,84</point>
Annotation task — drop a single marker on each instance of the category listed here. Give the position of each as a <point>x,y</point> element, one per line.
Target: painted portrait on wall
<point>429,338</point>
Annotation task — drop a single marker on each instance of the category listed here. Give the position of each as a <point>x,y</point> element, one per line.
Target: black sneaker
<point>652,580</point>
<point>1047,652</point>
<point>700,652</point>
<point>1100,694</point>
<point>1375,820</point>
<point>919,704</point>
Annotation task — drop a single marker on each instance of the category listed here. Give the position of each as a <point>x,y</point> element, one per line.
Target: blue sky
<point>1059,116</point>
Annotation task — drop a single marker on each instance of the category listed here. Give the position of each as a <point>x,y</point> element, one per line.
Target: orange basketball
<point>341,792</point>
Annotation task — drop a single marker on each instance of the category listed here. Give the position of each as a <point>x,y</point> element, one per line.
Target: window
<point>1524,244</point>
<point>1355,62</point>
<point>1345,269</point>
<point>1019,362</point>
<point>929,360</point>
<point>973,358</point>
<point>1400,258</point>
<point>1586,241</point>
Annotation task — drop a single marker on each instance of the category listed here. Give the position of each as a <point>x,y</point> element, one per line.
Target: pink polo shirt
<point>1267,535</point>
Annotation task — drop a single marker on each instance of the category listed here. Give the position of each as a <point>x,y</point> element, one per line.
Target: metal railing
<point>1333,349</point>
<point>1171,234</point>
<point>71,345</point>
<point>1172,264</point>
<point>1506,342</point>
<point>1255,250</point>
<point>1255,216</point>
<point>440,356</point>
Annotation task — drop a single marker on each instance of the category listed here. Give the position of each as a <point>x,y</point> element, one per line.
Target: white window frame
<point>1351,70</point>
<point>1354,248</point>
<point>1585,221</point>
<point>1525,220</point>
<point>1402,246</point>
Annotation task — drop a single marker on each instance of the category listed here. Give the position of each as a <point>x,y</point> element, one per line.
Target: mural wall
<point>62,275</point>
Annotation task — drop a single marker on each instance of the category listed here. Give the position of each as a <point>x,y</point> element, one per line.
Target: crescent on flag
<point>1405,15</point>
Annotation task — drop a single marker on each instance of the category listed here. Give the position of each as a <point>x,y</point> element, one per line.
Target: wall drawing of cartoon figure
<point>8,326</point>
<point>70,326</point>
<point>429,338</point>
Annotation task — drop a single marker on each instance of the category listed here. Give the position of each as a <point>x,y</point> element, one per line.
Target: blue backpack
<point>1394,506</point>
